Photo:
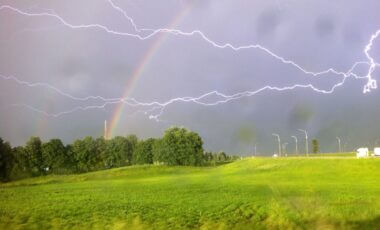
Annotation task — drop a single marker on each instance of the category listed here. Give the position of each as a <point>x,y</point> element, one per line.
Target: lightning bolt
<point>371,84</point>
<point>171,31</point>
<point>160,106</point>
<point>223,98</point>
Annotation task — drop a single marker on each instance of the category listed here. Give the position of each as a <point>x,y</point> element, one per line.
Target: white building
<point>362,152</point>
<point>376,152</point>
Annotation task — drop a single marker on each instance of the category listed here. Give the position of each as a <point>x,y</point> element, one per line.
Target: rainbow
<point>143,63</point>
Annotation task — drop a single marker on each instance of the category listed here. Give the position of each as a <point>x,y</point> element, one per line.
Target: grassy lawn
<point>346,154</point>
<point>304,193</point>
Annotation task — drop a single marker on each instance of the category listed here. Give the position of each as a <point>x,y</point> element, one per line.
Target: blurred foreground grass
<point>282,193</point>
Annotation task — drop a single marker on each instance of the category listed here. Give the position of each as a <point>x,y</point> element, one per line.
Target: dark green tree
<point>71,162</point>
<point>6,160</point>
<point>222,157</point>
<point>84,153</point>
<point>160,151</point>
<point>118,152</point>
<point>166,151</point>
<point>22,167</point>
<point>54,155</point>
<point>208,156</point>
<point>133,140</point>
<point>33,151</point>
<point>143,153</point>
<point>179,146</point>
<point>315,146</point>
<point>196,148</point>
<point>101,152</point>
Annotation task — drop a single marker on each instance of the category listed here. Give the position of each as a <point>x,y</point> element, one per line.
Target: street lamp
<point>306,143</point>
<point>340,149</point>
<point>279,142</point>
<point>295,139</point>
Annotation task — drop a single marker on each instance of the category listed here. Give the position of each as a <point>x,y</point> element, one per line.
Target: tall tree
<point>179,146</point>
<point>143,153</point>
<point>315,146</point>
<point>6,160</point>
<point>22,166</point>
<point>101,152</point>
<point>133,140</point>
<point>54,155</point>
<point>222,157</point>
<point>160,152</point>
<point>207,156</point>
<point>33,150</point>
<point>118,152</point>
<point>196,146</point>
<point>84,152</point>
<point>71,161</point>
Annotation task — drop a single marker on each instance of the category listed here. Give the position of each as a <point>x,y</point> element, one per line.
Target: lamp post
<point>306,142</point>
<point>295,139</point>
<point>279,142</point>
<point>340,149</point>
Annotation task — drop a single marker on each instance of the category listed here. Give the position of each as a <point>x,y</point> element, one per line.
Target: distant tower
<point>105,130</point>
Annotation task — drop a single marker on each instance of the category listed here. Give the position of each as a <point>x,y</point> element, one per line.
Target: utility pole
<point>255,149</point>
<point>295,139</point>
<point>340,149</point>
<point>279,142</point>
<point>306,142</point>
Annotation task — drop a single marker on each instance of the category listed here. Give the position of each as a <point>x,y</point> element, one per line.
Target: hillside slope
<point>261,192</point>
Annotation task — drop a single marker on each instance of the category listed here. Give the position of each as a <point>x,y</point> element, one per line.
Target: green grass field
<point>346,154</point>
<point>255,193</point>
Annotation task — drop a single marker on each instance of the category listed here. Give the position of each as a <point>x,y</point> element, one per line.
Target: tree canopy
<point>178,146</point>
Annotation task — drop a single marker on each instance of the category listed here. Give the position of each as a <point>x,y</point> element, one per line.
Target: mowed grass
<point>345,154</point>
<point>255,193</point>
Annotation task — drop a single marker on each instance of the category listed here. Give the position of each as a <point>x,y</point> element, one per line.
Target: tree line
<point>178,146</point>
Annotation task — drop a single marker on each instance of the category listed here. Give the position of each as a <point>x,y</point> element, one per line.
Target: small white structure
<point>376,152</point>
<point>362,152</point>
<point>275,155</point>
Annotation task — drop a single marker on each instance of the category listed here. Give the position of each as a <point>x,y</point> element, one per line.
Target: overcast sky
<point>314,34</point>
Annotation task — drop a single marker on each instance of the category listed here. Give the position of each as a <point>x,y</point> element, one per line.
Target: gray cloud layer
<point>316,34</point>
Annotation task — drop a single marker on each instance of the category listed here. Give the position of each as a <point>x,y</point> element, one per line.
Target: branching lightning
<point>371,84</point>
<point>152,107</point>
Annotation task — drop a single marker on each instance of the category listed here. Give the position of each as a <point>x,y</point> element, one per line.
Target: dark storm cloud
<point>316,34</point>
<point>324,26</point>
<point>300,116</point>
<point>267,23</point>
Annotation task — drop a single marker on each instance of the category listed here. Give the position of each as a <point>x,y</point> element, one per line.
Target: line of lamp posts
<point>296,142</point>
